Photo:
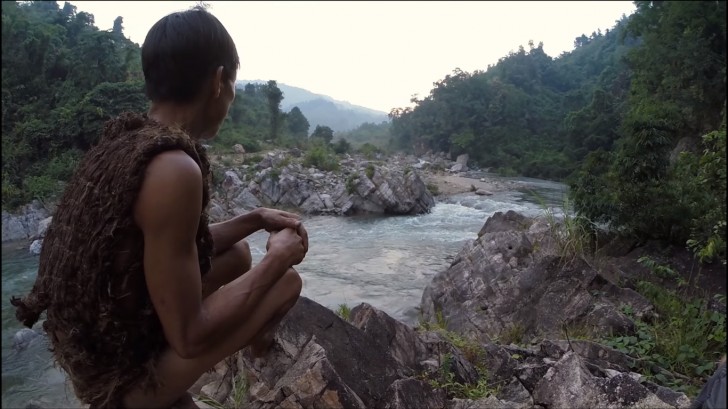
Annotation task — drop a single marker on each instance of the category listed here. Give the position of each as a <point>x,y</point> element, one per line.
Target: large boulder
<point>320,360</point>
<point>512,282</point>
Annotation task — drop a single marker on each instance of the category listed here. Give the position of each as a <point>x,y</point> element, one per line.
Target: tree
<point>298,125</point>
<point>275,96</point>
<point>324,133</point>
<point>118,29</point>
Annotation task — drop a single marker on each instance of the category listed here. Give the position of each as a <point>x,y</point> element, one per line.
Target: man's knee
<point>292,284</point>
<point>241,250</point>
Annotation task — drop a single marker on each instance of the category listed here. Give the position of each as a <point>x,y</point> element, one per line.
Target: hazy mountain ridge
<point>322,109</point>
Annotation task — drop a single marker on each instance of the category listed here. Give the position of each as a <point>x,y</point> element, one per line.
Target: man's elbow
<point>188,346</point>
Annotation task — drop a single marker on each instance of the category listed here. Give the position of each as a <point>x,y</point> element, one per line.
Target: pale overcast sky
<point>375,54</point>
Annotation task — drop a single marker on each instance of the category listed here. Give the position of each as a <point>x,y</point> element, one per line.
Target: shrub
<point>321,158</point>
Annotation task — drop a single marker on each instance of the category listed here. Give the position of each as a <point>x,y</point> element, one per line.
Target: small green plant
<point>513,334</point>
<point>239,392</point>
<point>433,189</point>
<point>320,157</point>
<point>686,339</point>
<point>578,331</point>
<point>235,400</point>
<point>658,269</point>
<point>445,379</point>
<point>284,162</point>
<point>344,312</point>
<point>252,159</point>
<point>574,234</point>
<point>275,174</point>
<point>351,184</point>
<point>369,171</point>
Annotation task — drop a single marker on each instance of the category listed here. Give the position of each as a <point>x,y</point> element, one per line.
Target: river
<point>384,261</point>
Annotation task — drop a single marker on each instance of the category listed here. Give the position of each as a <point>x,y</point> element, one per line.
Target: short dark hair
<point>180,53</point>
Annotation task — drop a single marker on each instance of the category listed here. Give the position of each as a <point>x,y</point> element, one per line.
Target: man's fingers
<point>304,235</point>
<point>289,214</point>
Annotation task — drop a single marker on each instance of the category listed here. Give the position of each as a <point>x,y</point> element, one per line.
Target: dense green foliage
<point>611,117</point>
<point>645,187</point>
<point>530,114</point>
<point>685,339</point>
<point>62,78</point>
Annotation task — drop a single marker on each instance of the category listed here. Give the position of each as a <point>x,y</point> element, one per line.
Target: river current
<point>383,261</point>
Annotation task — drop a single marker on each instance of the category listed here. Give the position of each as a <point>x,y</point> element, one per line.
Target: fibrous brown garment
<point>103,329</point>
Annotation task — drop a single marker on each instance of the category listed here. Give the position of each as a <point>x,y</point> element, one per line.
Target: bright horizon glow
<point>375,54</point>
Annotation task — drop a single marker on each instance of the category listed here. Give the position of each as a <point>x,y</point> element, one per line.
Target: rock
<point>36,246</point>
<point>43,227</point>
<point>324,362</point>
<point>23,338</point>
<point>463,159</point>
<point>511,282</point>
<point>570,384</point>
<point>411,349</point>
<point>246,200</point>
<point>390,190</point>
<point>483,192</point>
<point>232,182</point>
<point>458,167</point>
<point>491,402</point>
<point>217,212</point>
<point>413,393</point>
<point>238,148</point>
<point>23,224</point>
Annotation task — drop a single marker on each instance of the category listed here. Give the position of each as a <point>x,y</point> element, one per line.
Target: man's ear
<point>217,82</point>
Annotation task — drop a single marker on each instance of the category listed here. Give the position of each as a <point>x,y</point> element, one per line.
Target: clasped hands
<point>288,238</point>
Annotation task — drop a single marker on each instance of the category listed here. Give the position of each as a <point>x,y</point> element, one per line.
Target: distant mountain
<point>323,110</point>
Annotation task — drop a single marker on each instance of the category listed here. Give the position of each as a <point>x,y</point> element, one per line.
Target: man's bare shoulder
<point>172,188</point>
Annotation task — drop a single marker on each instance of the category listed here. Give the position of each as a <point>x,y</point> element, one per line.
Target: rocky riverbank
<point>505,326</point>
<point>494,334</point>
<point>388,185</point>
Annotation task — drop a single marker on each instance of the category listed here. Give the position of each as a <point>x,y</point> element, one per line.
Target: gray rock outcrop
<point>374,361</point>
<point>513,281</point>
<point>23,224</point>
<point>360,187</point>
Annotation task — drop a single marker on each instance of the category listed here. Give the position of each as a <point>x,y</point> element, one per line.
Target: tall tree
<point>275,96</point>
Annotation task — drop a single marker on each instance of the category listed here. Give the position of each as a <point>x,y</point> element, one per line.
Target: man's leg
<point>177,374</point>
<point>226,267</point>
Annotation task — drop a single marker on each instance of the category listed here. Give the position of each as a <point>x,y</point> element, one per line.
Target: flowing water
<point>384,261</point>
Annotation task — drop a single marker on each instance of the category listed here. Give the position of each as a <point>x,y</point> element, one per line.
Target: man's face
<point>219,105</point>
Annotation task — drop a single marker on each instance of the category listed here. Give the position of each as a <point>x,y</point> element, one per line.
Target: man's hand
<point>288,245</point>
<point>275,220</point>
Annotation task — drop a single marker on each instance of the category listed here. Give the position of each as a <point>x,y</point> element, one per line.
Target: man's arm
<point>226,234</point>
<point>168,211</point>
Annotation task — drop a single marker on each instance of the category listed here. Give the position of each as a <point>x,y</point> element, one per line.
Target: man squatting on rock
<point>142,295</point>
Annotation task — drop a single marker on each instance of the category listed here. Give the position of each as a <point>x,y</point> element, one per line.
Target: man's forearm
<point>229,232</point>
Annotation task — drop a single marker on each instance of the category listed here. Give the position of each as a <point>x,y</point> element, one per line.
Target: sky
<point>376,54</point>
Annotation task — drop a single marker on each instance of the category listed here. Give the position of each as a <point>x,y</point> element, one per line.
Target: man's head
<point>188,58</point>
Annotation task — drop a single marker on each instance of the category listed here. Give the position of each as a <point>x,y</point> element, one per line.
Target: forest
<point>633,118</point>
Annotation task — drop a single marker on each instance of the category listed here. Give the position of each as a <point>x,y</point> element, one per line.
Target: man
<point>142,295</point>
